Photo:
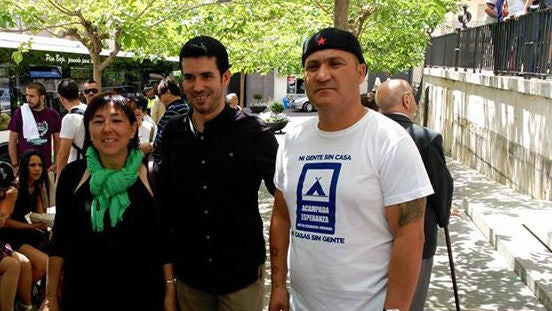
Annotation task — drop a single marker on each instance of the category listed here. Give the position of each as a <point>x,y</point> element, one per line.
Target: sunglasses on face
<point>93,91</point>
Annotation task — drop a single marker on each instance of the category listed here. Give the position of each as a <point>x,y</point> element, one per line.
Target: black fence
<point>512,47</point>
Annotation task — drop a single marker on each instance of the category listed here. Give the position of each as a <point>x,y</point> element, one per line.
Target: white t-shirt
<point>72,127</point>
<point>336,186</point>
<point>145,130</point>
<point>515,6</point>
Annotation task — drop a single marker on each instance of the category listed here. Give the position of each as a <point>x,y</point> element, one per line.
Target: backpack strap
<point>77,110</point>
<point>80,151</point>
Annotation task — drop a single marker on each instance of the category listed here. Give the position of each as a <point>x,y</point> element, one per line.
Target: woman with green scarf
<point>106,250</point>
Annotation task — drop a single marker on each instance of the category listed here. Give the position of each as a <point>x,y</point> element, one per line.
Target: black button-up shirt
<point>208,185</point>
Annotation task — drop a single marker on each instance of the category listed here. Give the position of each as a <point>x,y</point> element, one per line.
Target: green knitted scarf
<point>109,187</point>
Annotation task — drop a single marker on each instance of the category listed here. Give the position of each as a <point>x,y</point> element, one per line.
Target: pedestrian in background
<point>31,239</point>
<point>72,129</point>
<point>214,159</point>
<point>369,100</point>
<point>90,89</point>
<point>350,196</point>
<point>491,12</point>
<point>156,107</point>
<point>170,96</point>
<point>396,100</point>
<point>36,126</point>
<point>106,237</point>
<point>146,126</point>
<point>233,101</point>
<point>15,268</point>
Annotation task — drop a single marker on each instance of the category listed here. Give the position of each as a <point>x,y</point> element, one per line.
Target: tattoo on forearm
<point>410,211</point>
<point>274,251</point>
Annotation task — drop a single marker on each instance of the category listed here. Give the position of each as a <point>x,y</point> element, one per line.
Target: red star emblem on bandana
<point>321,41</point>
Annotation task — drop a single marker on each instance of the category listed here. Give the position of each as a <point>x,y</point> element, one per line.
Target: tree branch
<point>109,59</point>
<point>61,8</point>
<point>358,24</point>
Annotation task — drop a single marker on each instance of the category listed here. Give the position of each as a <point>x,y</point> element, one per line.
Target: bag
<point>80,151</point>
<point>5,250</point>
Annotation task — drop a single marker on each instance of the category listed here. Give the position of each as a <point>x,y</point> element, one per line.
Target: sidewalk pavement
<point>488,245</point>
<point>513,225</point>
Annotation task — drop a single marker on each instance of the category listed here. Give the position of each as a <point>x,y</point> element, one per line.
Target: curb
<point>524,254</point>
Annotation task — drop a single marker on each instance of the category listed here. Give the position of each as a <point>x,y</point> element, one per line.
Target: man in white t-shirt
<point>350,195</point>
<point>72,127</point>
<point>518,8</point>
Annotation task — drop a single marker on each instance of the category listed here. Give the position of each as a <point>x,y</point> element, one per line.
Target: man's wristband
<point>171,281</point>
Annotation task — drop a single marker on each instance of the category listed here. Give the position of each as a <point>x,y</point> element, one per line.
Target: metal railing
<point>512,47</point>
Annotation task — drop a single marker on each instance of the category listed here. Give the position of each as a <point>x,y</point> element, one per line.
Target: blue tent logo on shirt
<point>316,206</point>
<point>316,189</point>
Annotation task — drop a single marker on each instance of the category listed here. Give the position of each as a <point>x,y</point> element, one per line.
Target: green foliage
<point>275,106</point>
<point>261,35</point>
<point>4,121</point>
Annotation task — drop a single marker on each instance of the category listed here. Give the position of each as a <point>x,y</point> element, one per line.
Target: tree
<point>113,25</point>
<point>261,35</point>
<point>341,14</point>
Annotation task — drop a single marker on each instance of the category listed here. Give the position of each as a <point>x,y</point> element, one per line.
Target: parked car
<point>303,104</point>
<point>5,101</point>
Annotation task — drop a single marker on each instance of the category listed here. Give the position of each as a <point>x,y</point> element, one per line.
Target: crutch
<point>452,272</point>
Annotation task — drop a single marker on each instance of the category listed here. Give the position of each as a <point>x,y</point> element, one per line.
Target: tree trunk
<point>341,14</point>
<point>242,89</point>
<point>97,75</point>
<point>96,68</point>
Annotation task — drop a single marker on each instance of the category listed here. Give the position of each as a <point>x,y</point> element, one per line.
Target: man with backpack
<point>72,127</point>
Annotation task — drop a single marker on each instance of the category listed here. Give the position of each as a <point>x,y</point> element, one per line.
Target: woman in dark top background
<point>30,239</point>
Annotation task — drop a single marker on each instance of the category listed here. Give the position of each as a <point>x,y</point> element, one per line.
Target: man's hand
<point>279,299</point>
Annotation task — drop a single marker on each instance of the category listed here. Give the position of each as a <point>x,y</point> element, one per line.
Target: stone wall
<point>499,125</point>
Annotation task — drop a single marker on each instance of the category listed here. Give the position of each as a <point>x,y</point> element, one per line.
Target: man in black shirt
<point>213,160</point>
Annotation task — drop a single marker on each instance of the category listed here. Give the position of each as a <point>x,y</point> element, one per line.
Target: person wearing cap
<point>350,195</point>
<point>149,93</point>
<point>214,159</point>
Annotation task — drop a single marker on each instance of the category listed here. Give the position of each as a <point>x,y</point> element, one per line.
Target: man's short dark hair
<point>206,46</point>
<point>39,87</point>
<point>69,89</point>
<point>169,84</point>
